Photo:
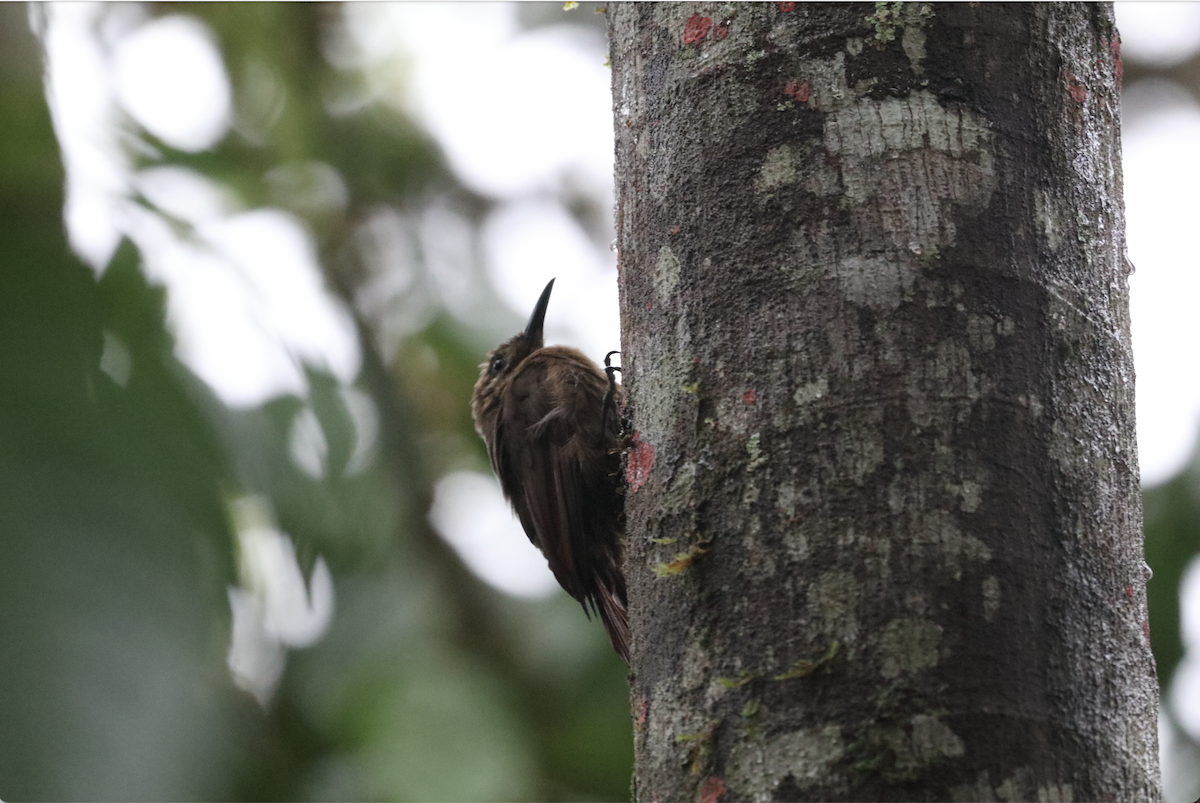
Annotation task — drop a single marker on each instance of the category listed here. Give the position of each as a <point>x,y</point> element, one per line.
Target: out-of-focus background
<point>250,547</point>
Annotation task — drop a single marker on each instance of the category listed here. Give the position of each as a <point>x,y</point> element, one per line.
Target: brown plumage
<point>548,416</point>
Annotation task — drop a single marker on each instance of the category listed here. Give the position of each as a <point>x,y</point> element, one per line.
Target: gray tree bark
<point>884,516</point>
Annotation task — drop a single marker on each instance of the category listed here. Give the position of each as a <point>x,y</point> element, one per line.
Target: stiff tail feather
<point>616,622</point>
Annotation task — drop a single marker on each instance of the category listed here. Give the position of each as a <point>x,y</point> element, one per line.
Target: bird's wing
<point>533,431</point>
<point>548,434</point>
<point>549,457</point>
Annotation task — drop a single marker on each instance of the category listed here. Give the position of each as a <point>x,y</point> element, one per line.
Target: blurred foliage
<point>1172,533</point>
<point>1172,527</point>
<point>116,539</point>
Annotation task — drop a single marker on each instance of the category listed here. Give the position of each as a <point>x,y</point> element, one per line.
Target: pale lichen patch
<point>806,756</point>
<point>696,665</point>
<point>913,42</point>
<point>947,375</point>
<point>673,724</point>
<point>875,281</point>
<point>908,646</point>
<point>833,603</point>
<point>786,496</point>
<point>937,535</point>
<point>861,452</point>
<point>980,790</point>
<point>642,145</point>
<point>827,81</point>
<point>1018,786</point>
<point>1013,787</point>
<point>910,165</point>
<point>971,494</point>
<point>760,561</point>
<point>924,741</point>
<point>821,178</point>
<point>778,168</point>
<point>796,543</point>
<point>932,739</point>
<point>755,453</point>
<point>991,597</point>
<point>1032,403</point>
<point>907,17</point>
<point>666,273</point>
<point>965,482</point>
<point>669,361</point>
<point>1056,793</point>
<point>678,494</point>
<point>1046,211</point>
<point>981,332</point>
<point>810,392</point>
<point>1068,449</point>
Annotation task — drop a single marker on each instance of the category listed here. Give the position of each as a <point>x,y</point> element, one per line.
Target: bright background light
<point>1159,33</point>
<point>169,76</point>
<point>1162,174</point>
<point>471,514</point>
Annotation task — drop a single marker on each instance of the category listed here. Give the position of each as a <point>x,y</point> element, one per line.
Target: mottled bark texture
<point>884,520</point>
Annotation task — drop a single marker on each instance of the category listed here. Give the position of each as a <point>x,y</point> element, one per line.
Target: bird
<point>550,418</point>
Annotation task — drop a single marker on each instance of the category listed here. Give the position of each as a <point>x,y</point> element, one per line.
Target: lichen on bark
<point>875,331</point>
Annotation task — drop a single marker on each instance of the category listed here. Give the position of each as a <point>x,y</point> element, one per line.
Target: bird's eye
<point>497,365</point>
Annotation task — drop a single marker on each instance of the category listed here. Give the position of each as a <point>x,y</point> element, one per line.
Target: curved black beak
<point>534,330</point>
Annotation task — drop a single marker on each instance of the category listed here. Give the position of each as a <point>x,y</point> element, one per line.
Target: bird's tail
<point>616,621</point>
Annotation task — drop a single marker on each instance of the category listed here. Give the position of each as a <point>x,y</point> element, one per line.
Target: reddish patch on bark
<point>749,397</point>
<point>1115,46</point>
<point>1129,591</point>
<point>1076,88</point>
<point>721,31</point>
<point>674,230</point>
<point>648,305</point>
<point>713,789</point>
<point>786,7</point>
<point>1146,630</point>
<point>797,90</point>
<point>643,710</point>
<point>696,29</point>
<point>641,460</point>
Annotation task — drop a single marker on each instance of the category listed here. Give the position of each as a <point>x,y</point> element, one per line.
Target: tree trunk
<point>884,517</point>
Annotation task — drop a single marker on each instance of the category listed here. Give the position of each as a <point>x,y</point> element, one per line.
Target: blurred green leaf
<point>1172,528</point>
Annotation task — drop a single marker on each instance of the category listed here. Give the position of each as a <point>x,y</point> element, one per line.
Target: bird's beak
<point>534,330</point>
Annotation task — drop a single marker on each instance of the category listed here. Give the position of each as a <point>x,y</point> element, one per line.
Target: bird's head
<point>503,361</point>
